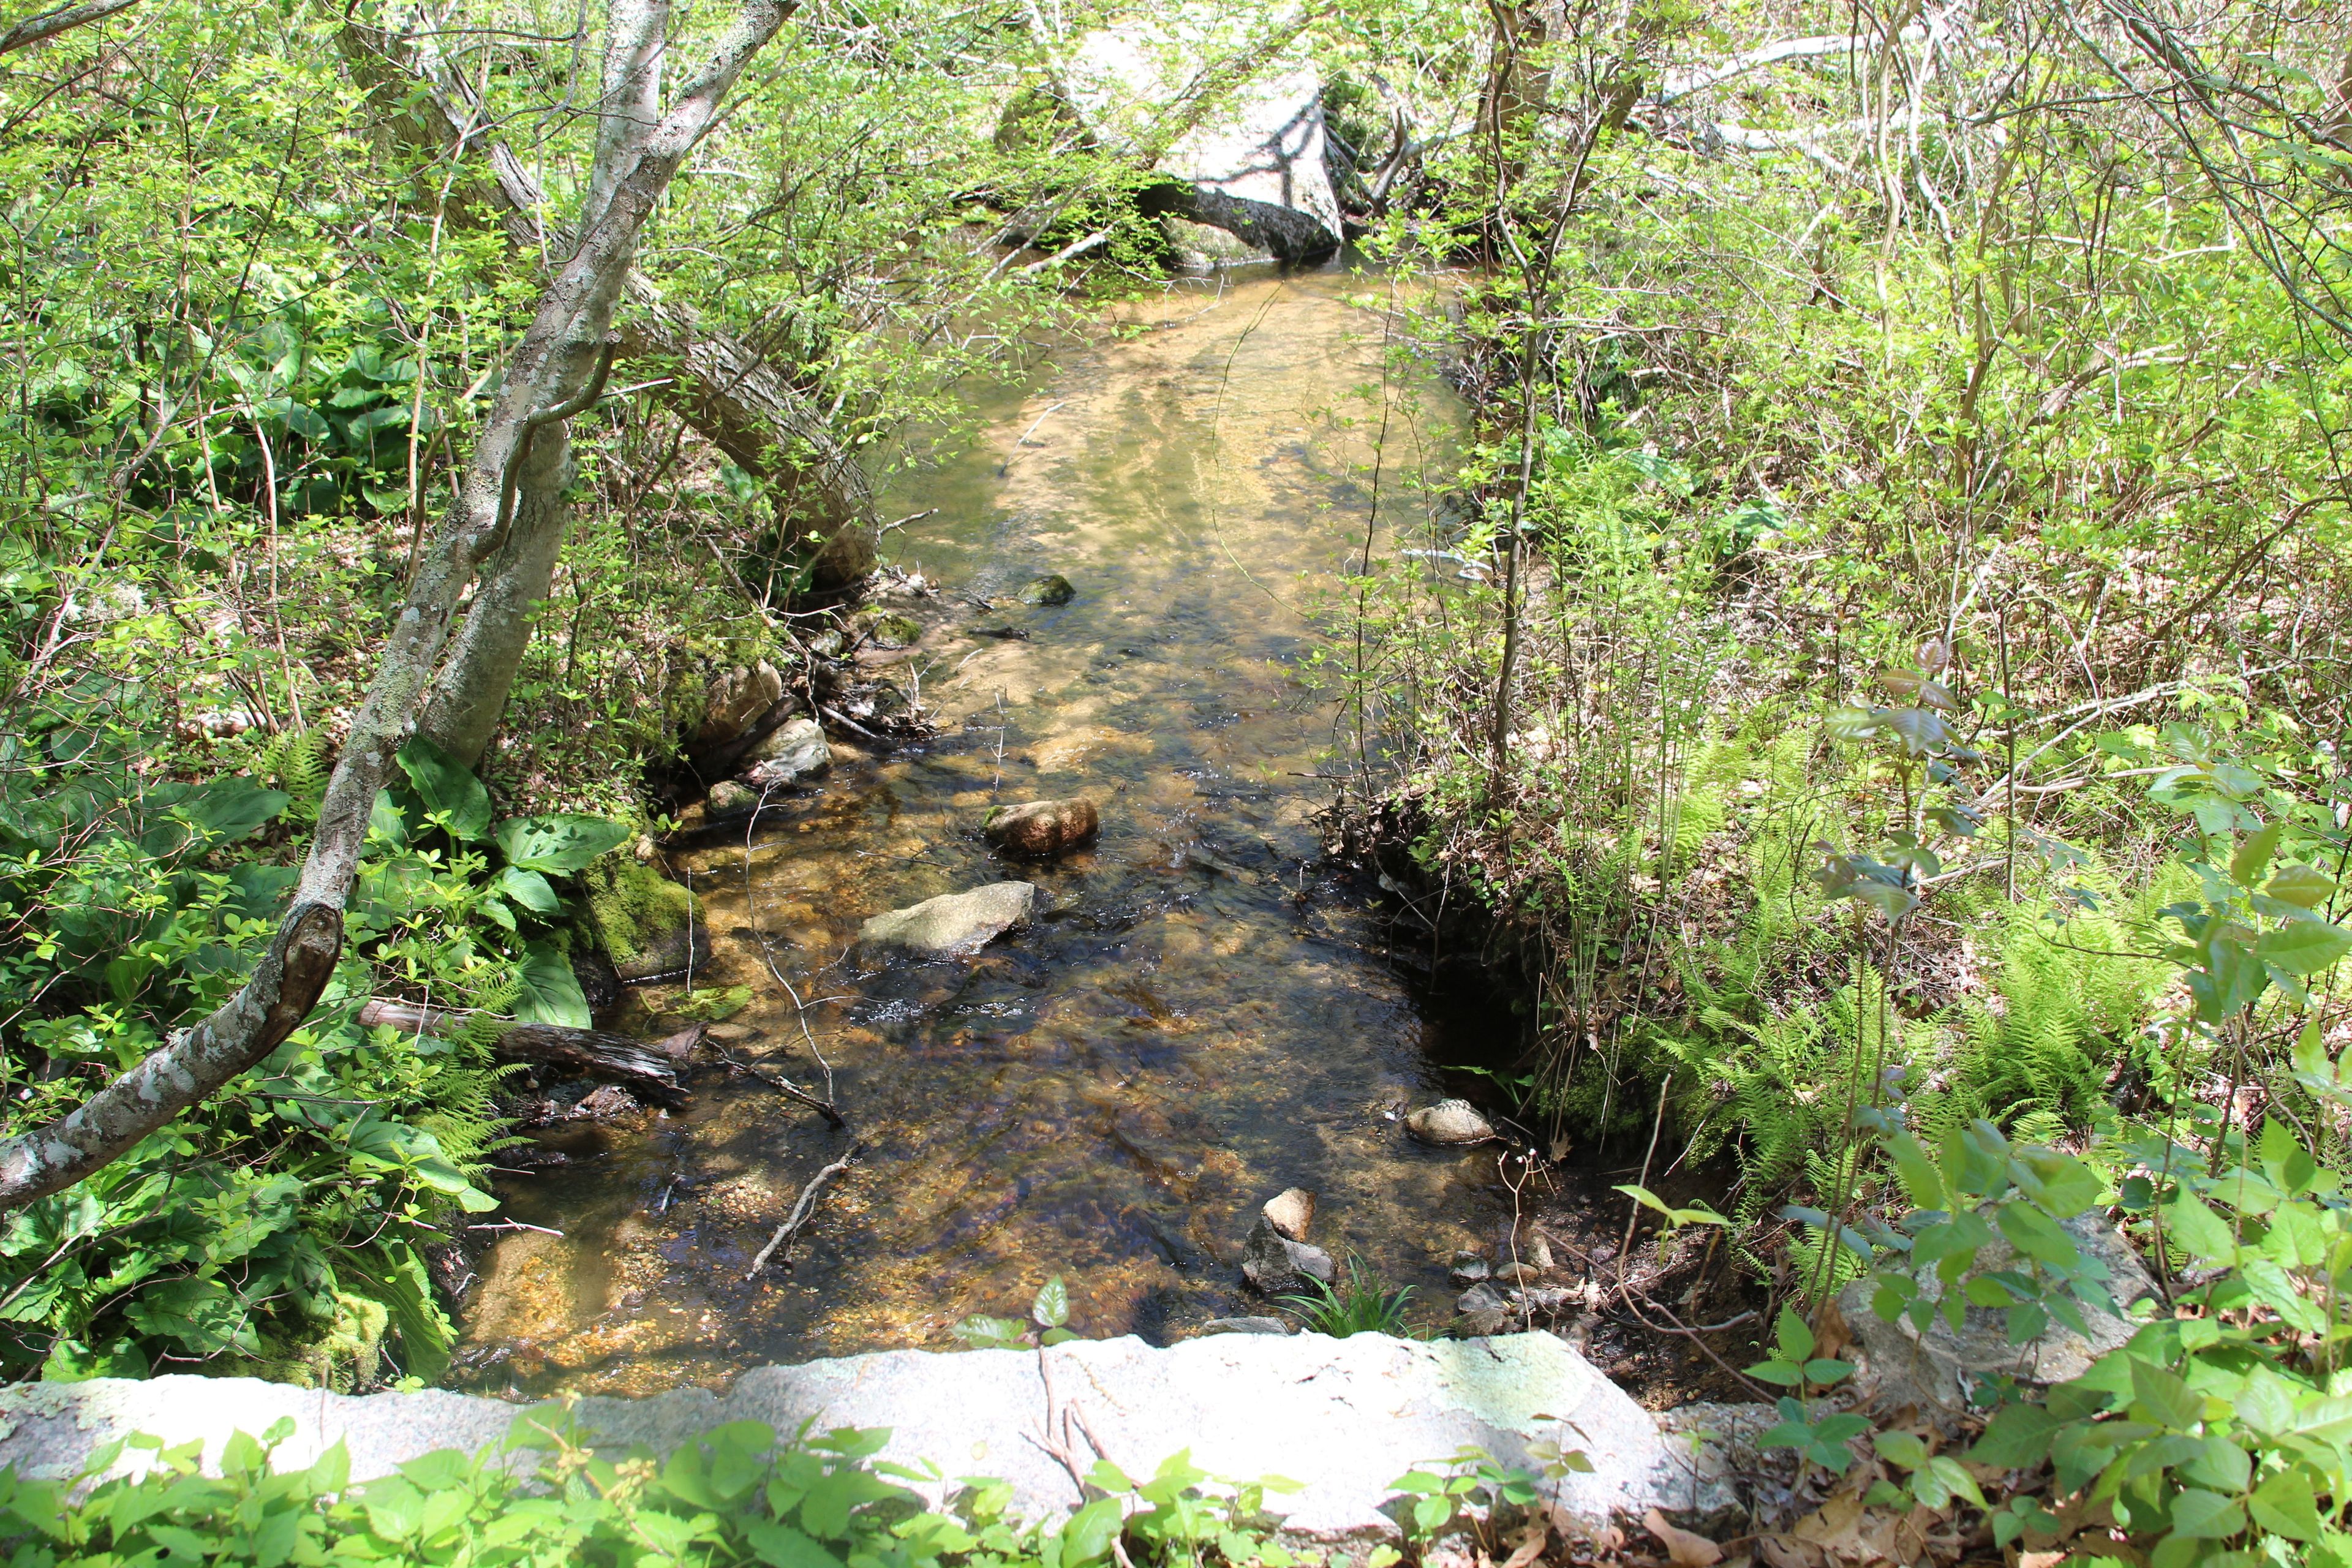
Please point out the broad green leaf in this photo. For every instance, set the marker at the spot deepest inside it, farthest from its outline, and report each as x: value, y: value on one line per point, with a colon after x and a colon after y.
x: 563, y: 842
x: 2302, y: 886
x: 551, y: 991
x: 2285, y: 1505
x: 385, y: 824
x: 1795, y: 1339
x: 2254, y: 856
x: 2190, y: 1223
x: 1052, y: 1308
x: 450, y: 793
x: 530, y: 890
x: 2038, y: 1236
x: 2201, y: 1515
x: 2064, y: 1185
x: 2304, y: 947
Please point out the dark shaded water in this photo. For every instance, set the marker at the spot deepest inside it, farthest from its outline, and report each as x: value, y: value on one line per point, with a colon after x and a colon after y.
x: 1210, y: 1013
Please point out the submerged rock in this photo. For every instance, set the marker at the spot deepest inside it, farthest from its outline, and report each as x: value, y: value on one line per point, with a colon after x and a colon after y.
x: 1449, y: 1121
x: 1051, y: 589
x: 951, y: 924
x: 791, y: 751
x: 1291, y: 1212
x: 728, y: 798
x: 1469, y: 1269
x: 1481, y: 1310
x: 1281, y: 1267
x: 1041, y: 827
x: 1246, y: 1326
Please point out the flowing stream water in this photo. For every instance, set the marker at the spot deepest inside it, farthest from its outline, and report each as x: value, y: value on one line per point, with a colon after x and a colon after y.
x: 1209, y: 1013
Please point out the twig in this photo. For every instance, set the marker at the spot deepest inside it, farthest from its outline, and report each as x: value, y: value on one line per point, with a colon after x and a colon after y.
x: 802, y: 1210
x: 515, y: 1225
x: 786, y: 1087
x: 848, y: 724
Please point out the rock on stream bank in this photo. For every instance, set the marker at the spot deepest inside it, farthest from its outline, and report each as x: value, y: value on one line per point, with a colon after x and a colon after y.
x: 1344, y: 1417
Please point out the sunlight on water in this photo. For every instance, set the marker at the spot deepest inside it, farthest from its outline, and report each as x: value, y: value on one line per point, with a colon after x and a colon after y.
x: 1206, y: 1017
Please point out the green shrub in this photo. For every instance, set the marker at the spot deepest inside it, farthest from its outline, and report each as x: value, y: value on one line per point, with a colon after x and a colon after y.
x: 736, y: 1495
x: 279, y: 1226
x: 1358, y: 1304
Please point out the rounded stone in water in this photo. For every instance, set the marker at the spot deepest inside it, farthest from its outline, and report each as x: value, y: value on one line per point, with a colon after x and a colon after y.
x: 1051, y: 589
x: 1449, y: 1122
x: 1041, y: 826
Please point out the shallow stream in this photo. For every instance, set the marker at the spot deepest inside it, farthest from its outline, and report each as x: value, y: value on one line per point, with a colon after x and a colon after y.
x: 1210, y: 1013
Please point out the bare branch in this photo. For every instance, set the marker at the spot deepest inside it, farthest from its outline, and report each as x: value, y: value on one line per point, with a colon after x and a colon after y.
x: 49, y: 23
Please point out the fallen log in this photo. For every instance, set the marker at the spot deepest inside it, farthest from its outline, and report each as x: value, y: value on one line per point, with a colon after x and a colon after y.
x: 649, y: 1067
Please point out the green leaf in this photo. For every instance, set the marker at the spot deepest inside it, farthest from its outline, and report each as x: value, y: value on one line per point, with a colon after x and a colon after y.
x: 564, y: 842
x: 1920, y: 1177
x: 1088, y: 1536
x: 1900, y: 1448
x: 1645, y: 1197
x: 2065, y: 1185
x: 2201, y: 1515
x: 985, y: 1333
x: 2254, y: 856
x: 530, y: 890
x: 551, y: 991
x: 2303, y: 886
x: 2016, y: 1438
x: 2285, y: 1505
x: 385, y: 824
x: 2303, y: 946
x: 1052, y: 1307
x: 2191, y: 1224
x: 2163, y: 1397
x: 1795, y: 1339
x: 2038, y: 1236
x: 452, y: 795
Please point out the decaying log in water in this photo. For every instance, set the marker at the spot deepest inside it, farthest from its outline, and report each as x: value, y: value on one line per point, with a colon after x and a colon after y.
x: 649, y: 1067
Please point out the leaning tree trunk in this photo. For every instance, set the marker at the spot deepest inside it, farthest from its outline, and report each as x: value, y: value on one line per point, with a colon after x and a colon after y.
x: 554, y: 363
x: 462, y: 710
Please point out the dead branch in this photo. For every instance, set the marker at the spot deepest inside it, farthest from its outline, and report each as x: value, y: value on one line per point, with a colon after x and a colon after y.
x: 802, y: 1209
x: 648, y: 1066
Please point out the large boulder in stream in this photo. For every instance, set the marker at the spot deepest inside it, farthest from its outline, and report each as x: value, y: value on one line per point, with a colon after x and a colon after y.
x: 1249, y: 161
x: 794, y: 750
x: 950, y: 925
x: 735, y: 698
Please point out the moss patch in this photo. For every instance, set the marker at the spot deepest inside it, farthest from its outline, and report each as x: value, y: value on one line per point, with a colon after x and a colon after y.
x: 639, y: 917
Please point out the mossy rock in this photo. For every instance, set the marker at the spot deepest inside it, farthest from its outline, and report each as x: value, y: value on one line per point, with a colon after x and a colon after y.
x: 1051, y: 589
x: 646, y: 923
x: 890, y: 629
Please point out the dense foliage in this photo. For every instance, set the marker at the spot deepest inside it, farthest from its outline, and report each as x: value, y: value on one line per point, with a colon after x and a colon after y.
x: 736, y: 1495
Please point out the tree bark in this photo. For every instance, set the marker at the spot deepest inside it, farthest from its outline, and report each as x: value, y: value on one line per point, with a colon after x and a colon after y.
x: 468, y: 696
x: 49, y: 23
x: 558, y: 352
x: 723, y: 389
x: 648, y: 1068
